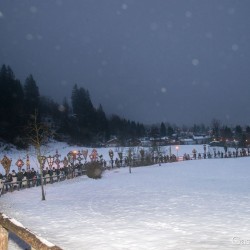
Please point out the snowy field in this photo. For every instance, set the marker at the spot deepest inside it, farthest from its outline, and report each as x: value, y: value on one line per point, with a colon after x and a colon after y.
x: 197, y: 204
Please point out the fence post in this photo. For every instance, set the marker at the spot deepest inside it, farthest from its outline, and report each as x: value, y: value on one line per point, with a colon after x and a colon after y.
x: 4, y: 235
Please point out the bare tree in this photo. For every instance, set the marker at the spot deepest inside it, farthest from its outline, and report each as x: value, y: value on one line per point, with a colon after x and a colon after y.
x: 38, y: 136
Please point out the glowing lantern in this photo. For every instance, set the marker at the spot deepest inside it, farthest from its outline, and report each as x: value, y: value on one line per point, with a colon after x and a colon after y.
x: 6, y: 162
x: 19, y: 164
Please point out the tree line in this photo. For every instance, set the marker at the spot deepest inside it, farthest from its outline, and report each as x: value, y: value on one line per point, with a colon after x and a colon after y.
x: 78, y: 122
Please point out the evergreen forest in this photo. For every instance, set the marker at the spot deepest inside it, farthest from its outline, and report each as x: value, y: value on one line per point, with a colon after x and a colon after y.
x: 77, y: 122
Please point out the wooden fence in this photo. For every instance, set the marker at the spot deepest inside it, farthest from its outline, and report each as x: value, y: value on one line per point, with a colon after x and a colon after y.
x: 11, y: 225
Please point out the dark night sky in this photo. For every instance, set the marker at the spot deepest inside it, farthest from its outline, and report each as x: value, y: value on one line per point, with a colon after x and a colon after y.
x: 177, y: 61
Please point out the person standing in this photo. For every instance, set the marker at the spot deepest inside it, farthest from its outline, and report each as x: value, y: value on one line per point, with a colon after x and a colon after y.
x: 20, y: 178
x: 9, y: 179
x: 33, y: 176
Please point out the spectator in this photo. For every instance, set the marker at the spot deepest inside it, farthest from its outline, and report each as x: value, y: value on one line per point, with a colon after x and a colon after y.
x: 194, y: 153
x: 38, y: 178
x: 8, y: 181
x: 13, y: 173
x: 24, y: 173
x: 33, y: 176
x: 28, y: 174
x: 20, y: 177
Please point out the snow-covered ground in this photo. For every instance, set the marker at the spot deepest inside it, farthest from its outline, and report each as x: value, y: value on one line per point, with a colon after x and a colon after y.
x: 197, y: 204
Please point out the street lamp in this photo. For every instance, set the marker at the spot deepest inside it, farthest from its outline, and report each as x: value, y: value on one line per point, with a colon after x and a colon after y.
x: 74, y: 156
x: 177, y: 149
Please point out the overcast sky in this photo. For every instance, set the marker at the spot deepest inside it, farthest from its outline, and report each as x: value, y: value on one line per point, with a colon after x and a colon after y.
x: 177, y: 61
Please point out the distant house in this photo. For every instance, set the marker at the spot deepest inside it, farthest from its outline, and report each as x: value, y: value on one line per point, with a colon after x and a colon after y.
x: 160, y: 141
x: 145, y: 142
x: 187, y: 141
x: 133, y: 142
x: 215, y: 144
x: 113, y: 143
x: 201, y: 139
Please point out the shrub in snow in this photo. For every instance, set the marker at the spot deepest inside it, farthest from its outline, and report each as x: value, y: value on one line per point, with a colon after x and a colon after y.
x: 94, y: 170
x: 148, y: 159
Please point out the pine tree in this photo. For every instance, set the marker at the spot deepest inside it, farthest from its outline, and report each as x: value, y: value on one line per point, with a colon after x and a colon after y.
x: 101, y: 122
x: 11, y: 104
x: 65, y: 110
x: 163, y: 130
x: 31, y: 96
x: 82, y: 106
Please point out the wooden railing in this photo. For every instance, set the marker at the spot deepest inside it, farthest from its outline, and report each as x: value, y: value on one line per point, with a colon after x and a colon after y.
x: 11, y: 225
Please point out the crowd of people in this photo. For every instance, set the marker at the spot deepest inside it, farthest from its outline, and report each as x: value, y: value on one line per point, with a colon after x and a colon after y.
x: 217, y: 154
x: 30, y: 177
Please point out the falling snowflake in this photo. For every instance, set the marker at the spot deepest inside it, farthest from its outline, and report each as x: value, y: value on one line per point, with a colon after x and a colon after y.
x: 57, y: 47
x: 63, y: 82
x: 188, y: 14
x: 169, y: 25
x: 209, y: 35
x: 163, y: 90
x: 195, y: 62
x: 29, y: 37
x: 33, y: 9
x: 235, y: 47
x: 104, y: 63
x: 59, y: 2
x: 154, y: 26
x: 39, y: 37
x: 61, y: 108
x: 124, y: 6
x: 231, y: 11
x: 1, y: 14
x: 157, y: 104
